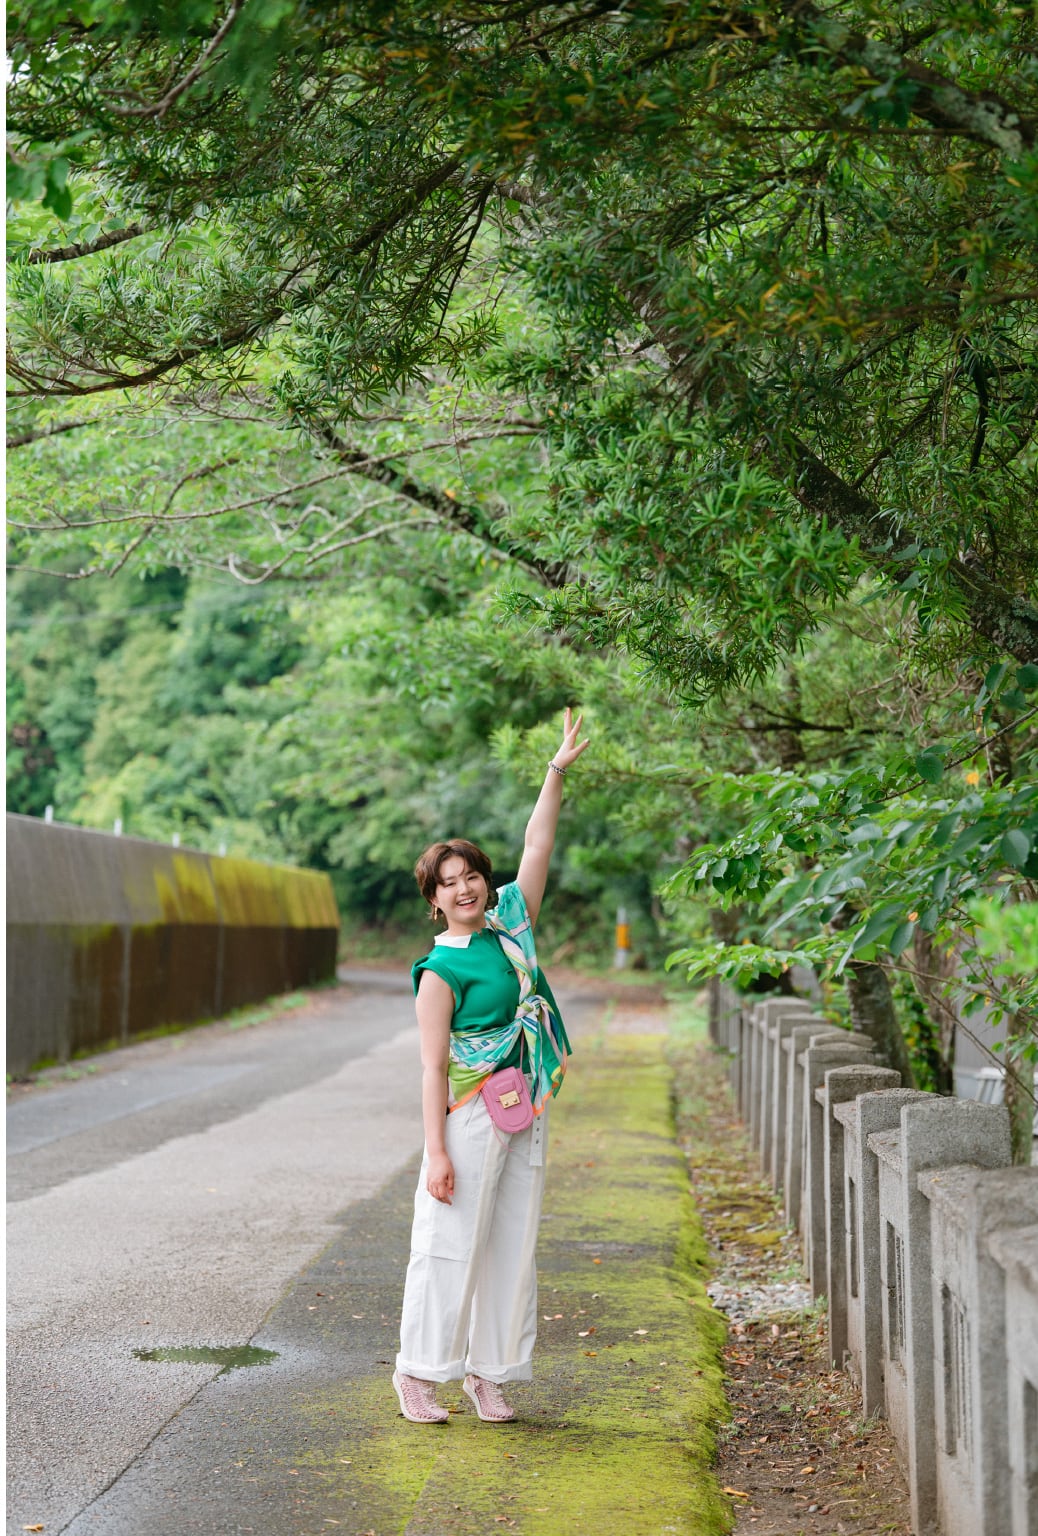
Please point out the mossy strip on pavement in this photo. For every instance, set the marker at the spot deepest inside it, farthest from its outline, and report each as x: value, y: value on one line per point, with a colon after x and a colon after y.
x: 616, y: 1433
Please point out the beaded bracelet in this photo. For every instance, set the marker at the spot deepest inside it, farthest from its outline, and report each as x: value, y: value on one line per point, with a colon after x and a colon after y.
x: 560, y: 771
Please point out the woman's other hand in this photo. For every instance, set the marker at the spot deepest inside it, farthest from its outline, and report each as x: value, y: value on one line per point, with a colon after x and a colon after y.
x: 571, y: 747
x: 439, y: 1180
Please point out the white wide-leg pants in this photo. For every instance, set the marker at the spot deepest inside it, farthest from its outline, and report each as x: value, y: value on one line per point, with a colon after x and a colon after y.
x: 470, y: 1298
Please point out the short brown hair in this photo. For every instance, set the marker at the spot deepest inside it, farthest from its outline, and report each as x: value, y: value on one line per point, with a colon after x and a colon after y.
x: 427, y: 869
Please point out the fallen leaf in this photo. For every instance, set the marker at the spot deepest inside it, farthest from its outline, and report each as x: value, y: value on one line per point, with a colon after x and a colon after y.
x: 596, y: 1261
x: 805, y: 1470
x: 737, y: 1493
x: 32, y: 1527
x: 592, y: 1354
x: 641, y: 1331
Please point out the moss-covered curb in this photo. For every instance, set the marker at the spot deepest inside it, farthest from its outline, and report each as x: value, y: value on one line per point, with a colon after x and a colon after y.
x: 616, y: 1433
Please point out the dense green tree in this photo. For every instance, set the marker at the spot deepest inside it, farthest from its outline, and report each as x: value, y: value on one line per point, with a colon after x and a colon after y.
x: 715, y: 329
x: 786, y: 267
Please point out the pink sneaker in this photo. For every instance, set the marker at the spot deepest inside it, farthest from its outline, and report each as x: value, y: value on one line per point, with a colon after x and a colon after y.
x: 487, y: 1399
x: 417, y: 1400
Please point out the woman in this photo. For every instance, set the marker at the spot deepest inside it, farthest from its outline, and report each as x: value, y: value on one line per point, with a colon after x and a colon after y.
x: 470, y: 1299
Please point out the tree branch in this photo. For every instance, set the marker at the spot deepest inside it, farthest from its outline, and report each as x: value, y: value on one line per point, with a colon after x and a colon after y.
x: 38, y: 434
x: 446, y: 509
x: 74, y: 252
x: 160, y: 108
x: 39, y: 384
x: 984, y: 118
x: 1008, y: 621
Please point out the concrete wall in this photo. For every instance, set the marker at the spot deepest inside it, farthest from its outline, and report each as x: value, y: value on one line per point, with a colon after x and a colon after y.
x: 925, y: 1242
x: 110, y: 936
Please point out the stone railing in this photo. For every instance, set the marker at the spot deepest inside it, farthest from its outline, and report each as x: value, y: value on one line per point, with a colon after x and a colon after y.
x: 108, y: 937
x: 923, y: 1239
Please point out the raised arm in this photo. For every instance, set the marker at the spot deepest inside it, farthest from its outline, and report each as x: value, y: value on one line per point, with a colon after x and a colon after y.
x: 540, y: 829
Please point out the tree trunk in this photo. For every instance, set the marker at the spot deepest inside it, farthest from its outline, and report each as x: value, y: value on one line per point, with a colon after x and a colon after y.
x: 1019, y: 1098
x: 934, y: 969
x: 872, y: 1011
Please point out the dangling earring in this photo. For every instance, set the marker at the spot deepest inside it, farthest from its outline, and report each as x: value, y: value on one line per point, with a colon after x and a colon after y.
x: 434, y: 912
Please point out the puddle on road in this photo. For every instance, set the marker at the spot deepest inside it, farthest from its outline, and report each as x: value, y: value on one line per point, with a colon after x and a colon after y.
x: 231, y: 1357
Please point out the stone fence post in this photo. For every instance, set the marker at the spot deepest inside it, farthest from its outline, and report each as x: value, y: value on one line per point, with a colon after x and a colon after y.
x: 773, y: 1123
x: 969, y: 1319
x: 860, y: 1118
x: 764, y: 1015
x: 1016, y: 1253
x: 816, y: 1062
x: 792, y: 1153
x: 842, y: 1086
x: 934, y: 1133
x: 729, y: 1005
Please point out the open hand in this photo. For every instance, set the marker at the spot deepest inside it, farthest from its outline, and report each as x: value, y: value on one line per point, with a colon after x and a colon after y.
x: 571, y: 748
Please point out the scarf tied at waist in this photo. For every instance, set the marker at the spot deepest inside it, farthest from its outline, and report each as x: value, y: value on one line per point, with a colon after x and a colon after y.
x: 476, y: 1055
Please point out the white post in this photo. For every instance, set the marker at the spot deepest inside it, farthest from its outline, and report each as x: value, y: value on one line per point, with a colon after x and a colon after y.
x: 118, y: 827
x: 622, y: 952
x: 48, y: 813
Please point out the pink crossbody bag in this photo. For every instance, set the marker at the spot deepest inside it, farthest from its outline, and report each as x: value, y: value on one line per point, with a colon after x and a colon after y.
x: 507, y: 1097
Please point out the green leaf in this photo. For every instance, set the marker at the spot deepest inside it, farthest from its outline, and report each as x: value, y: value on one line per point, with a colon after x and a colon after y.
x: 969, y: 837
x: 1015, y: 848
x: 865, y: 832
x: 1027, y: 676
x: 944, y: 829
x: 994, y: 676
x: 877, y: 924
x: 929, y: 766
x: 901, y: 938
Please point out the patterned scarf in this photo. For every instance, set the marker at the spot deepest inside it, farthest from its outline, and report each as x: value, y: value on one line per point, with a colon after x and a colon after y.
x: 474, y: 1057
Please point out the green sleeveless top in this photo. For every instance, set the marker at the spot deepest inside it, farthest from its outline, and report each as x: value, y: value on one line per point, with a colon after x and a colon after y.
x: 499, y: 1021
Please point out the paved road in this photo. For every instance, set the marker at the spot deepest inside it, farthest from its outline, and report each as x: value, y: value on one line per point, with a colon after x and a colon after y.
x: 167, y: 1198
x: 255, y: 1188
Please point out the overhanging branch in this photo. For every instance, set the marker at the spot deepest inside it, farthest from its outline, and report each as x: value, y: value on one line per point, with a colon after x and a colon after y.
x: 1010, y: 622
x: 74, y: 252
x: 466, y: 518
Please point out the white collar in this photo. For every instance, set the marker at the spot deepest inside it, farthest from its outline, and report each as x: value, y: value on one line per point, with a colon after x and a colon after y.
x: 456, y: 940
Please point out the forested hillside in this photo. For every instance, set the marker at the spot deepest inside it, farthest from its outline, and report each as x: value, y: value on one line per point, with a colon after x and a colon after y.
x: 381, y: 380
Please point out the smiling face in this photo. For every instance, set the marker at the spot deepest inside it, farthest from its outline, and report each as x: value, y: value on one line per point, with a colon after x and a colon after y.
x: 461, y: 895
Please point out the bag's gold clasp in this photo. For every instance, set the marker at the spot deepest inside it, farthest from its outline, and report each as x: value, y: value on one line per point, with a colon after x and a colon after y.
x: 509, y: 1100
